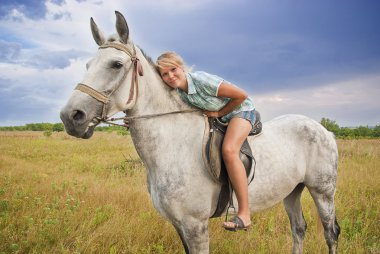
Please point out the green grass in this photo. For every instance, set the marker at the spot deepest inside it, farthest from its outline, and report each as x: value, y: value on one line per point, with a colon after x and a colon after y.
x: 64, y: 195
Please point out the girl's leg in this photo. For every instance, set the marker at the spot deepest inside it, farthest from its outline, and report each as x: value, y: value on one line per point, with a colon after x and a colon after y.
x: 237, y: 131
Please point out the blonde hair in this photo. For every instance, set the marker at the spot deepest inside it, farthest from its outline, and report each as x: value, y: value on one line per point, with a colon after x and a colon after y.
x: 170, y: 59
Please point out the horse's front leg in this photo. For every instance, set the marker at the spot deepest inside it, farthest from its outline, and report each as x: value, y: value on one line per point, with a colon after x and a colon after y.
x: 194, y: 235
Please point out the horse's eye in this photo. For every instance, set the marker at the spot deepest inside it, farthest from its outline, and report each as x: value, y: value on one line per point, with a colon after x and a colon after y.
x: 117, y: 65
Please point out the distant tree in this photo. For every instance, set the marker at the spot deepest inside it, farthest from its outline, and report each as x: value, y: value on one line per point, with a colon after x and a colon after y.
x: 363, y: 131
x: 376, y: 131
x: 330, y: 125
x: 110, y: 128
x: 58, y: 127
x: 19, y: 128
x: 346, y: 132
x: 31, y: 127
x: 39, y: 126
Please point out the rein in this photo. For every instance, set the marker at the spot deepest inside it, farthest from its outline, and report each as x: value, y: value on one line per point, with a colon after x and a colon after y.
x: 133, y: 92
x: 127, y: 118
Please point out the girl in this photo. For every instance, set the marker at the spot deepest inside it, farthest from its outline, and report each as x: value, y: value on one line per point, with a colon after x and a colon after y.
x: 217, y: 98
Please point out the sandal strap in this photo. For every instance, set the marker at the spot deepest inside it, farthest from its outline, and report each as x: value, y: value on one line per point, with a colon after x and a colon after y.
x: 238, y: 222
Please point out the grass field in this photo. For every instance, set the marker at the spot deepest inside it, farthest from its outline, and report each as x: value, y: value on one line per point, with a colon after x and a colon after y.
x: 59, y: 194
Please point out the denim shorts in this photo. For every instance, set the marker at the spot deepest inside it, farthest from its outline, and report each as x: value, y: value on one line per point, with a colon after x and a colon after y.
x: 248, y: 115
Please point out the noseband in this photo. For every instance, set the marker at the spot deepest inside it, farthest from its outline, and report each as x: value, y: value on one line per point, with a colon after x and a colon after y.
x: 133, y: 92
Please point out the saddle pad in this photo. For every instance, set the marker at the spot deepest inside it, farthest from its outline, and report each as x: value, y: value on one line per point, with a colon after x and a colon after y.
x: 213, y: 151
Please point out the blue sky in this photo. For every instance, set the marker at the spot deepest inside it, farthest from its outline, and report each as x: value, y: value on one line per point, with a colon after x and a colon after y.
x: 318, y: 58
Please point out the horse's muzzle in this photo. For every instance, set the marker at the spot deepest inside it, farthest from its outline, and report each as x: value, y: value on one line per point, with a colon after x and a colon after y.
x: 77, y: 123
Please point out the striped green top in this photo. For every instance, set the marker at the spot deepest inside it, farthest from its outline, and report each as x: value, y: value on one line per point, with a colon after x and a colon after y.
x: 202, y: 93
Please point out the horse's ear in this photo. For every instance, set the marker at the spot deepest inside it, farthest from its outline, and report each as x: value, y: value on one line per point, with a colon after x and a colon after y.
x: 122, y: 27
x: 97, y: 34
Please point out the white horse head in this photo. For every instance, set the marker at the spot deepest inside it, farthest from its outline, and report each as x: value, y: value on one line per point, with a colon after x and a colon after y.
x: 111, y: 82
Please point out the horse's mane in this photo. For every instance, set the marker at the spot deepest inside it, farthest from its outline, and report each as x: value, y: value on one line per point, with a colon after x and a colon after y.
x: 148, y: 58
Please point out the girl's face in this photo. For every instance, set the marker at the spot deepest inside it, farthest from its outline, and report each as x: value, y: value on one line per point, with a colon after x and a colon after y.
x: 174, y: 77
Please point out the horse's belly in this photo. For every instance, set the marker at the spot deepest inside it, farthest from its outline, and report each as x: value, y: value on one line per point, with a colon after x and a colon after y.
x: 272, y: 184
x: 280, y: 167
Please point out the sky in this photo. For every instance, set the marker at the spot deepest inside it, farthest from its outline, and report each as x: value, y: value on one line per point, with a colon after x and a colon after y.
x: 319, y: 58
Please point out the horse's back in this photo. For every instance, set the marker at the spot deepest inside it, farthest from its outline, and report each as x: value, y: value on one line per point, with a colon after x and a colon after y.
x: 300, y: 136
x: 298, y: 128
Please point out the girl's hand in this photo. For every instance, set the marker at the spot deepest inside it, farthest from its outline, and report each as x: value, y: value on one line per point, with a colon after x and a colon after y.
x: 211, y: 113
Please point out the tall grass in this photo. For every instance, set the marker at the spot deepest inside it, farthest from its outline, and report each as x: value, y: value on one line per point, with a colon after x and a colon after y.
x: 64, y: 195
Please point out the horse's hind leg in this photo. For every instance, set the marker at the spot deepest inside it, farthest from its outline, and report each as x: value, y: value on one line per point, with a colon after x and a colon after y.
x: 326, y: 210
x: 297, y: 222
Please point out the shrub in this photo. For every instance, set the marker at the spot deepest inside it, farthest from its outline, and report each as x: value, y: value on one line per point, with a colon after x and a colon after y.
x: 48, y: 133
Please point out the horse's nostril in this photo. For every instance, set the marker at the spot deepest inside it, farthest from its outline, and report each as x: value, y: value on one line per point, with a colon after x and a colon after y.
x: 78, y: 115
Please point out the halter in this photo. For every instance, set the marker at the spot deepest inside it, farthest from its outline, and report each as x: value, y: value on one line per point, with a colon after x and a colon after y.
x: 104, y: 98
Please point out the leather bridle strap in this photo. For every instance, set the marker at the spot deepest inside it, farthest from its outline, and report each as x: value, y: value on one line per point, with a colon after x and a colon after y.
x: 92, y: 92
x: 120, y: 47
x: 134, y: 81
x: 133, y: 93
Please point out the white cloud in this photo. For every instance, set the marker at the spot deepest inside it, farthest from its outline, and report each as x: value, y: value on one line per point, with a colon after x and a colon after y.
x: 70, y: 30
x: 44, y: 80
x: 345, y: 102
x: 67, y: 25
x: 37, y: 92
x: 10, y: 50
x: 43, y: 59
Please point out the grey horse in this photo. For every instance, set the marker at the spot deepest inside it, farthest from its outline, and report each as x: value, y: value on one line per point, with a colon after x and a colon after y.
x: 292, y: 152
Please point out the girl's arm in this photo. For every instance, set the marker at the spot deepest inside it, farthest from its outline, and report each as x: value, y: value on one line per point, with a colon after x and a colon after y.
x: 236, y: 95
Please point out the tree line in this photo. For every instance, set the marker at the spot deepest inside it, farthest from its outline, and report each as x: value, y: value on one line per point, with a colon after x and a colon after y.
x: 331, y: 125
x: 57, y: 127
x: 348, y: 132
x: 35, y: 127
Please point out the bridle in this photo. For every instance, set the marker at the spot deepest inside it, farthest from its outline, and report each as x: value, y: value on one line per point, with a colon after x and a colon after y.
x: 104, y: 98
x: 133, y: 92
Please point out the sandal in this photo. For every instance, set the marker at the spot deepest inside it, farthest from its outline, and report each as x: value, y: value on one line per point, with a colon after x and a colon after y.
x: 238, y: 224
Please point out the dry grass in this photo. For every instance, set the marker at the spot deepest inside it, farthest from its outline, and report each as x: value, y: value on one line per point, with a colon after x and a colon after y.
x: 64, y: 195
